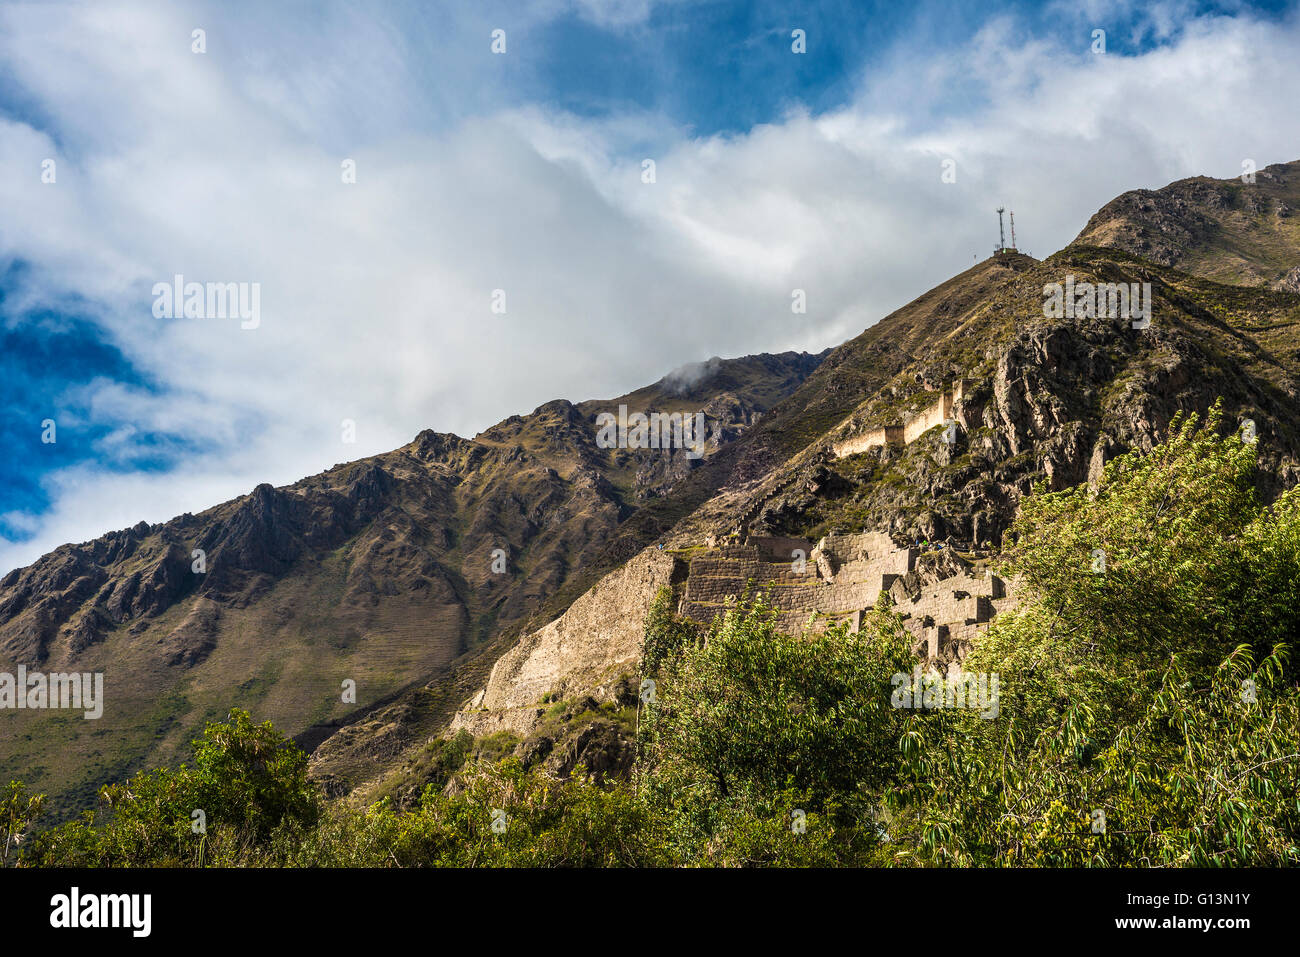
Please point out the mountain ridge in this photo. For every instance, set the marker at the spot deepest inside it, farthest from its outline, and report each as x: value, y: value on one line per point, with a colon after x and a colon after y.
x: 378, y: 571
x: 335, y: 569
x: 1050, y: 401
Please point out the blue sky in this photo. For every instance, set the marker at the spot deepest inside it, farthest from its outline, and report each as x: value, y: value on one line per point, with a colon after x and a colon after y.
x: 522, y: 172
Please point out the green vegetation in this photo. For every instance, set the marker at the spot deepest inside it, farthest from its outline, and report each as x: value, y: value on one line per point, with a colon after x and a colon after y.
x: 18, y: 812
x: 247, y: 784
x: 1157, y: 693
x: 1148, y: 715
x: 665, y: 634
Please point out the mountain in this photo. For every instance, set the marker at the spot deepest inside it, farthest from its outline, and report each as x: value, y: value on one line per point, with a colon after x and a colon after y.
x: 380, y: 572
x: 1049, y: 399
x: 1045, y: 400
x: 1244, y: 233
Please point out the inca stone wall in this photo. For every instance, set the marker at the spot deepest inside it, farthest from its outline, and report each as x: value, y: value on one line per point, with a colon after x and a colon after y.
x: 594, y: 642
x: 938, y: 412
x: 598, y: 640
x: 884, y: 435
x: 841, y: 577
x: 928, y: 418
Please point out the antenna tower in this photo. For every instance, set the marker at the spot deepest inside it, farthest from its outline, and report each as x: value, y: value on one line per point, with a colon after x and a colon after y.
x: 1013, y: 229
x: 1002, y: 232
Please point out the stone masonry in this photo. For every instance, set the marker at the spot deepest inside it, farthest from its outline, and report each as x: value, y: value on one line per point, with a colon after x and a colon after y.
x: 938, y: 412
x: 597, y: 643
x: 583, y: 651
x: 840, y: 578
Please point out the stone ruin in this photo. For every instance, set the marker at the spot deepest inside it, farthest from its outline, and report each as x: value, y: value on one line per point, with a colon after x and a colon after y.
x: 944, y: 600
x: 937, y: 413
x: 595, y: 646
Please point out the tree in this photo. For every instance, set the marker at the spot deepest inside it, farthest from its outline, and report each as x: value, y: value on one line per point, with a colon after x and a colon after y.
x: 18, y: 812
x: 1149, y: 711
x: 246, y: 782
x: 751, y: 725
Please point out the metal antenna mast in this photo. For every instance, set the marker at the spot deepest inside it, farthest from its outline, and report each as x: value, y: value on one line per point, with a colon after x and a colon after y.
x: 1013, y: 229
x: 1002, y: 233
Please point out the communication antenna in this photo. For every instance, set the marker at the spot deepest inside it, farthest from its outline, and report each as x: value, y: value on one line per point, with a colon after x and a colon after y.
x: 1013, y: 229
x: 1002, y: 233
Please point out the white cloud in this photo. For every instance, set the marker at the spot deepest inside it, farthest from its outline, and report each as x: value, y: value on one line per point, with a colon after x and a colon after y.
x: 375, y: 296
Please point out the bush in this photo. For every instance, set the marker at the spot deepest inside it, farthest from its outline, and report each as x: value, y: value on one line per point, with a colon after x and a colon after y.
x: 1150, y: 708
x: 749, y: 719
x: 247, y: 781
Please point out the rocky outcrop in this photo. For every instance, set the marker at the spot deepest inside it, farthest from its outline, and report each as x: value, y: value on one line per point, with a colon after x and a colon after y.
x: 195, y: 637
x: 602, y: 749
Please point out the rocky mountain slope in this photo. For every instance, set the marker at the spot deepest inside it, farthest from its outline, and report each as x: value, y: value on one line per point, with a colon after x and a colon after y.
x: 379, y: 572
x: 1048, y: 400
x: 1236, y: 232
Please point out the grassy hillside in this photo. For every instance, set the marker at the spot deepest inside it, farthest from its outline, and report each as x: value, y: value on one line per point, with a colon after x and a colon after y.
x: 1234, y: 232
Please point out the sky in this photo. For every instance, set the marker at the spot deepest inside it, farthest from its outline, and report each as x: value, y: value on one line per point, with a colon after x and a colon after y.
x: 503, y: 243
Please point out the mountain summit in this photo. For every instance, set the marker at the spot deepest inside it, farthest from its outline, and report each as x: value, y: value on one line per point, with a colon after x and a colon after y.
x: 1243, y: 233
